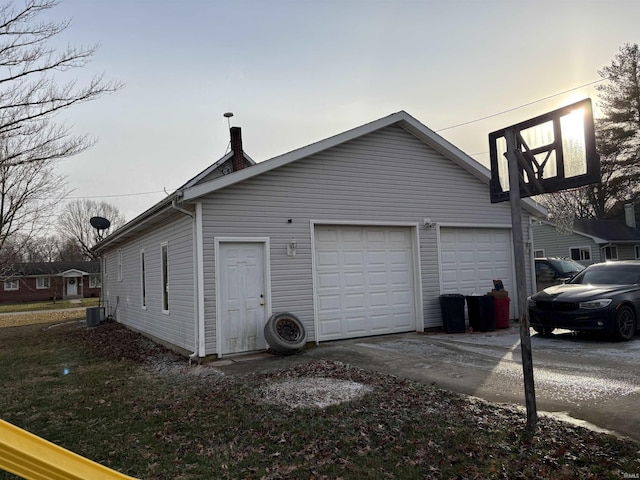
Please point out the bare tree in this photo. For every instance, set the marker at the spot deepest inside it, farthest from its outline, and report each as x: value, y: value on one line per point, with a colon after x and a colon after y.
x: 74, y: 222
x: 70, y: 251
x: 34, y: 89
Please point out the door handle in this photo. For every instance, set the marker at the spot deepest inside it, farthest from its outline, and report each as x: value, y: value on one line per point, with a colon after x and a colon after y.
x: 262, y: 299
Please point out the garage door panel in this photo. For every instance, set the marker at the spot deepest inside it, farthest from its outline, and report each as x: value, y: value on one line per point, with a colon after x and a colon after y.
x: 399, y: 257
x: 467, y: 274
x: 401, y: 297
x: 448, y: 257
x: 352, y: 279
x: 466, y: 256
x: 404, y: 320
x: 327, y: 258
x: 352, y: 258
x: 400, y: 278
x: 355, y: 301
x: 331, y: 328
x: 377, y: 279
x: 354, y: 325
x: 328, y: 280
x: 471, y: 258
x: 373, y: 268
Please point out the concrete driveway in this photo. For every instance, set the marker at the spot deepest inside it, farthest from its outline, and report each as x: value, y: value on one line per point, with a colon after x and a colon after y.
x: 585, y: 379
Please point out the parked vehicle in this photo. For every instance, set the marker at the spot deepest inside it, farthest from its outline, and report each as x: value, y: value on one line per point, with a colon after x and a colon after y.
x: 554, y: 271
x: 604, y: 297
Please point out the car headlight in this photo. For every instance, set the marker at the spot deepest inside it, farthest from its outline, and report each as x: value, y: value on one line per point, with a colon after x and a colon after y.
x: 531, y: 302
x: 593, y: 304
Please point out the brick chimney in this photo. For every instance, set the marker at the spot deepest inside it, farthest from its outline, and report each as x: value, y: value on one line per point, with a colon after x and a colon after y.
x: 237, y: 161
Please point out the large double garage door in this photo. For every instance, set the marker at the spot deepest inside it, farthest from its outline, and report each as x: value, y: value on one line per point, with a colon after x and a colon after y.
x: 364, y: 281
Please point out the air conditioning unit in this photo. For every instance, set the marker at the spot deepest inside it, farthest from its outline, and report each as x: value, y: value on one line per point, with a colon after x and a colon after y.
x: 95, y: 315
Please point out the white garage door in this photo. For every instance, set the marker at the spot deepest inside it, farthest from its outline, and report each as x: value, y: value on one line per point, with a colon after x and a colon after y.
x: 364, y: 281
x: 471, y: 258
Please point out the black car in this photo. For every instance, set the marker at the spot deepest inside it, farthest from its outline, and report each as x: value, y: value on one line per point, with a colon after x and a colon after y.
x: 553, y: 271
x: 604, y: 297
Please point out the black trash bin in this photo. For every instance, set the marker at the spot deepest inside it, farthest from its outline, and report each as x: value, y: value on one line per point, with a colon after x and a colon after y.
x: 481, y: 310
x: 452, y: 307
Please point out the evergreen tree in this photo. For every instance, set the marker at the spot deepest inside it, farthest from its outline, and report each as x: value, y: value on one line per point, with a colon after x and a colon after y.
x: 618, y: 141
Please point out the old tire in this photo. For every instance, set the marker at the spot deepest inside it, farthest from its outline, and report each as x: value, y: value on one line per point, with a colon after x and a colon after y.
x: 285, y: 333
x: 624, y: 325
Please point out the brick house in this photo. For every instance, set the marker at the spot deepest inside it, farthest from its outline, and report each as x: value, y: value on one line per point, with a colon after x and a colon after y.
x: 40, y: 281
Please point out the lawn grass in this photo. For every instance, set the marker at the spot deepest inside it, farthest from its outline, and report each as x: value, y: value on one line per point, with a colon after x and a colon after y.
x: 49, y: 305
x: 119, y: 399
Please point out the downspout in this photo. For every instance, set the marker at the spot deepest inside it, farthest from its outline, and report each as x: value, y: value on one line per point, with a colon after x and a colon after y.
x: 196, y: 350
x: 532, y: 259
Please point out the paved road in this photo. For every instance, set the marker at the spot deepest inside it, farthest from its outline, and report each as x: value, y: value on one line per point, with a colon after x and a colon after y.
x: 591, y: 380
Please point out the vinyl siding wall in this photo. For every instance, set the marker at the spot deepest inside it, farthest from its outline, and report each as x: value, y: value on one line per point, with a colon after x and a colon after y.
x: 123, y: 299
x: 546, y: 237
x: 554, y: 245
x: 386, y: 176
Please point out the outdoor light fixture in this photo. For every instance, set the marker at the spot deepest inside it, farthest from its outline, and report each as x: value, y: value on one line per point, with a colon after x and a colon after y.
x: 428, y: 223
x: 292, y: 246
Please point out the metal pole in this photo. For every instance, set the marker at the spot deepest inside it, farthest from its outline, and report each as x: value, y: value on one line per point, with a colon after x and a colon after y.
x: 521, y: 283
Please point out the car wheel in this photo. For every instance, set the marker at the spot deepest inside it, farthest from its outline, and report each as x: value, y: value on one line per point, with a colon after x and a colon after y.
x: 285, y: 333
x: 624, y: 326
x: 544, y: 331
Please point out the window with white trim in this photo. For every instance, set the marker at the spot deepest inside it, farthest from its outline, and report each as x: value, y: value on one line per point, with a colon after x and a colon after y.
x: 610, y: 252
x: 164, y: 248
x: 43, y: 282
x: 143, y: 279
x: 581, y: 254
x: 95, y: 281
x: 11, y: 285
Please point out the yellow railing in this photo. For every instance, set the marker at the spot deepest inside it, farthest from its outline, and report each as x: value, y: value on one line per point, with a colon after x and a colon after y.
x: 34, y: 458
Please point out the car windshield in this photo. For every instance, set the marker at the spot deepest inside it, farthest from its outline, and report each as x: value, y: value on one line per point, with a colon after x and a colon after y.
x: 567, y: 266
x: 609, y: 274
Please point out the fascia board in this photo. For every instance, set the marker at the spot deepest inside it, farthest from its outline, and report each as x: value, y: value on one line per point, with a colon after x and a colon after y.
x: 576, y: 232
x: 137, y: 223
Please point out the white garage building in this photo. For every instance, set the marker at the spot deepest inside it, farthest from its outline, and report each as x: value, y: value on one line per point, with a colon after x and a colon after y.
x: 358, y: 235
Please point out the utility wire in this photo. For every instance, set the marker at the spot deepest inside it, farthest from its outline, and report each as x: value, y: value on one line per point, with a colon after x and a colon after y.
x: 119, y: 195
x: 520, y: 106
x: 439, y: 130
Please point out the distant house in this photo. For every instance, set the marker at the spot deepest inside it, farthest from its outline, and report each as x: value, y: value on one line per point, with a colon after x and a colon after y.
x: 591, y: 241
x: 357, y: 235
x: 29, y: 282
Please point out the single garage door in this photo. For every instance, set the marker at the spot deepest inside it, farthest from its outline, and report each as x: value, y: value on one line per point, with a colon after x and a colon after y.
x: 364, y: 281
x: 471, y: 258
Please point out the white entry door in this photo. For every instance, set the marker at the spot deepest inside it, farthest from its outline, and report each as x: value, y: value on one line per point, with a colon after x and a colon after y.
x: 242, y: 292
x: 72, y: 287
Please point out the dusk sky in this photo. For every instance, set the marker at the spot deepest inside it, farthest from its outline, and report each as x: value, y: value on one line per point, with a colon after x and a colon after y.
x: 295, y: 72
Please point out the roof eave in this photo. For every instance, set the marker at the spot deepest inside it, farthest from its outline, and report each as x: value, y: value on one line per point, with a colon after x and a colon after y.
x: 138, y: 223
x: 402, y: 118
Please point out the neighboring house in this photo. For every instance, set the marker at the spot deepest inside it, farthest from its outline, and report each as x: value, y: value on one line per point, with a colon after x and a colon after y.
x: 592, y: 241
x: 357, y: 235
x: 29, y: 282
